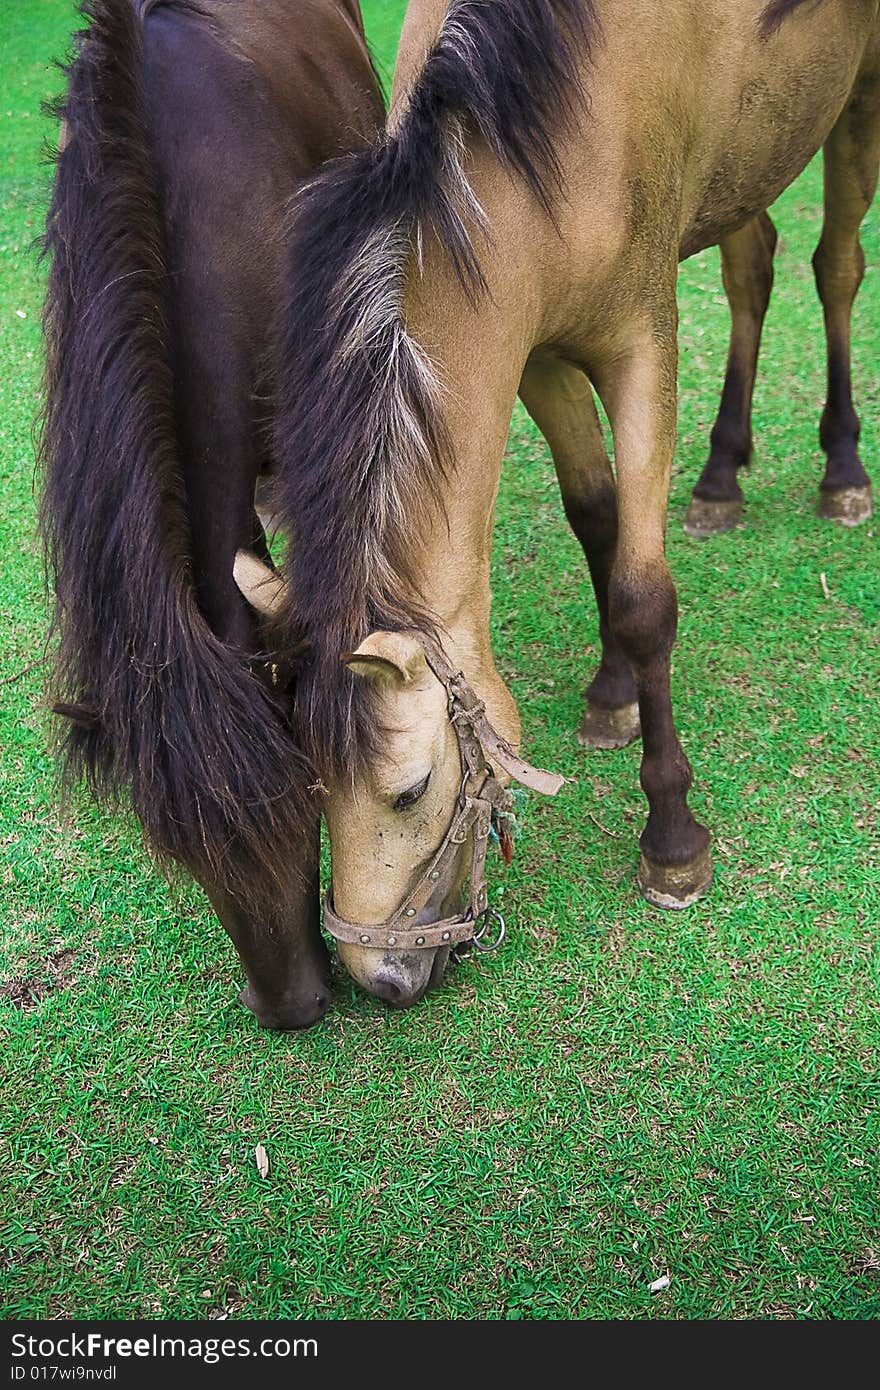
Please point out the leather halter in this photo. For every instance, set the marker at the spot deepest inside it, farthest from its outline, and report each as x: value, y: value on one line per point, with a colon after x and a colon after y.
x: 481, y: 798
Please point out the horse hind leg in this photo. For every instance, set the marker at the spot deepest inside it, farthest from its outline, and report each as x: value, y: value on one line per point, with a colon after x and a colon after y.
x: 747, y: 272
x: 559, y: 398
x: 851, y: 157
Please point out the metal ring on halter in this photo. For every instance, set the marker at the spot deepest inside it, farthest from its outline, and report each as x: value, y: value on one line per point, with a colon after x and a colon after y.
x: 489, y: 913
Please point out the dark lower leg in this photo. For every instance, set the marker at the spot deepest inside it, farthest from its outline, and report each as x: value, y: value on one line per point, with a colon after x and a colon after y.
x: 851, y: 158
x: 839, y: 428
x: 845, y: 490
x: 747, y: 269
x: 593, y: 519
x: 676, y: 865
x: 282, y: 950
x: 560, y: 400
x: 644, y: 615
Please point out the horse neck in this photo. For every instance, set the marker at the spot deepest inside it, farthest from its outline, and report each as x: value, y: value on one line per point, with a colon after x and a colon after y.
x: 479, y: 352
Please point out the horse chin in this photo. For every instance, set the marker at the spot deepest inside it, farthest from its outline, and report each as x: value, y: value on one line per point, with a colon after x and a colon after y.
x: 398, y: 978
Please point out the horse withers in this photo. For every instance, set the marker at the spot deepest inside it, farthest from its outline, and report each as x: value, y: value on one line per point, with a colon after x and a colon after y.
x: 186, y: 128
x: 518, y: 228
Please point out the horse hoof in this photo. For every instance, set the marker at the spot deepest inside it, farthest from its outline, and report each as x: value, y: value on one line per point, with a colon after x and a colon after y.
x: 676, y: 886
x: 609, y: 728
x: 707, y: 516
x: 849, y: 506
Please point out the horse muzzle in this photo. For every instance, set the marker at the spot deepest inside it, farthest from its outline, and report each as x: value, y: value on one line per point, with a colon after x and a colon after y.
x: 399, y: 978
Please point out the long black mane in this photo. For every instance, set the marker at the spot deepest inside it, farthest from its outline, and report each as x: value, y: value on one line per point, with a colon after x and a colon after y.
x: 360, y: 432
x: 159, y: 709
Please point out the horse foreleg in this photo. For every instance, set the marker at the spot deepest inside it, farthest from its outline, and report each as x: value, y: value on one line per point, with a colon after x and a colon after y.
x: 559, y: 399
x: 747, y: 272
x: 640, y: 392
x: 852, y: 154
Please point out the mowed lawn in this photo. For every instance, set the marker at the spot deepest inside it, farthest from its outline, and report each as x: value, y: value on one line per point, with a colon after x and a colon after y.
x: 619, y: 1094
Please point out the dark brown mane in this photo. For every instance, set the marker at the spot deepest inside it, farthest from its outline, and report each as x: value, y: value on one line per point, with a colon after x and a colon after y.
x: 360, y: 428
x: 159, y: 709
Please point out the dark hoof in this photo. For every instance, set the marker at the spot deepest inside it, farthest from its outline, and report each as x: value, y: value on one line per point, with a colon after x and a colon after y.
x: 288, y: 1016
x: 609, y: 728
x: 708, y: 516
x: 676, y: 886
x: 849, y: 506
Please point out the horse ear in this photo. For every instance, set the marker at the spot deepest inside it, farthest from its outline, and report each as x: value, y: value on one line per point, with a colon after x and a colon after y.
x: 263, y: 587
x: 389, y: 658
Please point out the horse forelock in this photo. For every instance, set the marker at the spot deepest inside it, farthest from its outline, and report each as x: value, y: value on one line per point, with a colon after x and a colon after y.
x: 360, y: 434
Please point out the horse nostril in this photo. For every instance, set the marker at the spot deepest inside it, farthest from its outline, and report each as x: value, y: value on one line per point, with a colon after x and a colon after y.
x: 395, y: 990
x: 389, y: 989
x: 397, y: 978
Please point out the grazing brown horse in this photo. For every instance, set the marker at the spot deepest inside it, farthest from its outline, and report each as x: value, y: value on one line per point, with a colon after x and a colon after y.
x: 546, y: 165
x: 187, y: 126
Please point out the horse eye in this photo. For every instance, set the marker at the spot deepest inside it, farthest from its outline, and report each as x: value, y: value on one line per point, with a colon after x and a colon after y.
x: 408, y: 798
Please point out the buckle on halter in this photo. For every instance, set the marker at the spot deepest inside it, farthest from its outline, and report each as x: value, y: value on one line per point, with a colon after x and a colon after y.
x: 489, y: 914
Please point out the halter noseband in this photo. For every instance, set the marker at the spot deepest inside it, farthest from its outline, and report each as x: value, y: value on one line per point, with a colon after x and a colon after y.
x: 481, y: 799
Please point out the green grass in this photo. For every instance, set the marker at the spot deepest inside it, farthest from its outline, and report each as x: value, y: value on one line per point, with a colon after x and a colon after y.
x: 619, y: 1093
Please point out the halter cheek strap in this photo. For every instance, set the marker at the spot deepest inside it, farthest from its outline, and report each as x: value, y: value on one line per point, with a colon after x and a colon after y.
x: 481, y: 798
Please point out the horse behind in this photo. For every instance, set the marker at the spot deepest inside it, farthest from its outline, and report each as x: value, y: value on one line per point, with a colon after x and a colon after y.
x: 186, y: 129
